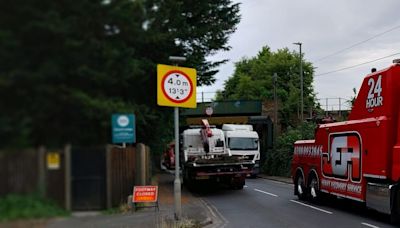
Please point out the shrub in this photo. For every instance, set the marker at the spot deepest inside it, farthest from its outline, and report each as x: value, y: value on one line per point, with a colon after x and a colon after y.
x: 278, y: 161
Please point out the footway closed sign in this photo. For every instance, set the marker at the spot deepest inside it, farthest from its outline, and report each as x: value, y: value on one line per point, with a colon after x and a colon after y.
x: 143, y: 194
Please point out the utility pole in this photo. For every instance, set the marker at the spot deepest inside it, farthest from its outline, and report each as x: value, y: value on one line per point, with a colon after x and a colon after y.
x: 276, y: 110
x: 327, y: 107
x: 301, y: 84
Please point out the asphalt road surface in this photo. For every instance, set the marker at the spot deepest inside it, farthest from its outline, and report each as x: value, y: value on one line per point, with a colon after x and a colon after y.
x: 268, y: 203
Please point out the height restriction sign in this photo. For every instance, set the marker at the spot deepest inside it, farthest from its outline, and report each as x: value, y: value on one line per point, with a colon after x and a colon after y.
x: 176, y: 86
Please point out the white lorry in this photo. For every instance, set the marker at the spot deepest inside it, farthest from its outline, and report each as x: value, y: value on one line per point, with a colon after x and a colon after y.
x: 206, y: 159
x: 243, y: 142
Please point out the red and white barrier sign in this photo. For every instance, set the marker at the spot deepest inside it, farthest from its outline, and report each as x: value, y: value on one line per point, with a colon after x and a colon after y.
x: 145, y: 194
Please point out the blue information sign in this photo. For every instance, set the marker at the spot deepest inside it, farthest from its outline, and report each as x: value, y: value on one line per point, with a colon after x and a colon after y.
x: 123, y: 128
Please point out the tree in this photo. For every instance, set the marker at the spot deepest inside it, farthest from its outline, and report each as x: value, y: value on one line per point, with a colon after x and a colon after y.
x: 279, y: 160
x: 66, y: 67
x: 253, y: 79
x: 194, y: 29
x: 353, y: 98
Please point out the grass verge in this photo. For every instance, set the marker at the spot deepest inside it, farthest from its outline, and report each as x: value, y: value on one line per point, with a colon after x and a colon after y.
x: 14, y: 206
x: 183, y: 223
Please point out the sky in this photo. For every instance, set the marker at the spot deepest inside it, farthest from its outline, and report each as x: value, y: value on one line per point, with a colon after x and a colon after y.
x: 324, y: 28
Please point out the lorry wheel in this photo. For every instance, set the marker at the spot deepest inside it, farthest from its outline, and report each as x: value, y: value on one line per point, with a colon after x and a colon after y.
x: 314, y: 189
x: 186, y: 180
x: 395, y: 212
x: 237, y: 183
x: 300, y: 188
x: 237, y: 186
x: 240, y: 185
x: 254, y: 176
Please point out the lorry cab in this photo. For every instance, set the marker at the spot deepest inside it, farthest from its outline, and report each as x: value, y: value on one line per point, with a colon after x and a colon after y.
x: 242, y: 141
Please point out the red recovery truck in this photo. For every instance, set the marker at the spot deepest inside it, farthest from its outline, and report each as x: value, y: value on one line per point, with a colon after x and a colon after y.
x: 358, y: 159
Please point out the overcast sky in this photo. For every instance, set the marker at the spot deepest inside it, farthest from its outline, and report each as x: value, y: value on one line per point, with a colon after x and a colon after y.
x: 324, y: 28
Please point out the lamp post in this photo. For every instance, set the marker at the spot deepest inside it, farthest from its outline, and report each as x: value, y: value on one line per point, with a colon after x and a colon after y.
x: 177, y: 181
x: 275, y: 77
x: 301, y: 83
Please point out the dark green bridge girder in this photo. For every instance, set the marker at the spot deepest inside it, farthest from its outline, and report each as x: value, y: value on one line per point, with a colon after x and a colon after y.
x: 224, y: 108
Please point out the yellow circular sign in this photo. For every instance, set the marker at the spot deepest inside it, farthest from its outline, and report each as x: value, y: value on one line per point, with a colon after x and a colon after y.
x: 176, y: 86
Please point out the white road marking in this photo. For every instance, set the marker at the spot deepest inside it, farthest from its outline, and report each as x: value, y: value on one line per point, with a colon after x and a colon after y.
x: 367, y: 224
x: 220, y: 221
x: 209, y: 207
x: 245, y: 186
x: 315, y: 208
x: 268, y: 193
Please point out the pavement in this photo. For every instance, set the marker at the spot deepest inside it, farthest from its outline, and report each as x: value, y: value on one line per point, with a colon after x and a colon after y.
x: 287, y: 180
x: 195, y: 212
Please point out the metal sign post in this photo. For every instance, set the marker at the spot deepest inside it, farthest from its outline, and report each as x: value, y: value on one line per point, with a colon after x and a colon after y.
x: 177, y: 181
x: 176, y: 87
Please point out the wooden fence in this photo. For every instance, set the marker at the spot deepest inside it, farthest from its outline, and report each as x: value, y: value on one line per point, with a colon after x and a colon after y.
x: 18, y: 171
x: 26, y: 171
x: 127, y: 167
x: 121, y: 174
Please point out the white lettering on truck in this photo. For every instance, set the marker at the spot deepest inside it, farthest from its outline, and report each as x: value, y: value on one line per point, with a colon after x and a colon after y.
x: 341, y: 186
x: 308, y: 151
x: 374, y: 98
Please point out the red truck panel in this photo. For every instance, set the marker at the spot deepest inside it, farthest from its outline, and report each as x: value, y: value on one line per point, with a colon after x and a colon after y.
x: 344, y: 154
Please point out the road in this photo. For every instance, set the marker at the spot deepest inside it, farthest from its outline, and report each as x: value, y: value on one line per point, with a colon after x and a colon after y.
x: 268, y: 203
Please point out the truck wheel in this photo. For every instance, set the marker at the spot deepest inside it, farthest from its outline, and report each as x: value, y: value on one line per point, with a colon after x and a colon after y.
x: 238, y: 186
x: 314, y: 189
x: 395, y: 212
x: 187, y: 182
x: 237, y: 183
x: 300, y: 187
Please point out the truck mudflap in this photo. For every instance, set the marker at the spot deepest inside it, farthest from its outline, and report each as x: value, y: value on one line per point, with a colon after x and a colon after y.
x: 395, y: 204
x: 383, y: 197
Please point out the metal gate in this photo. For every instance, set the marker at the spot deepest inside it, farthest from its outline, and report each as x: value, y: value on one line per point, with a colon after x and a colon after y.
x: 88, y: 170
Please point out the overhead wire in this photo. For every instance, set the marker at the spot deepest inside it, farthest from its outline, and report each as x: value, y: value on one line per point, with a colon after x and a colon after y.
x: 352, y: 46
x: 360, y: 64
x: 356, y: 44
